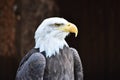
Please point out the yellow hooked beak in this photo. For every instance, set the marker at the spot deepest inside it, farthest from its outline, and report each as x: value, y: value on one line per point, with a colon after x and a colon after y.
x: 69, y: 27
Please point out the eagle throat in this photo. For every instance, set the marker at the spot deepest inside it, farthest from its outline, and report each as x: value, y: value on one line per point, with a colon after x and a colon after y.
x: 50, y: 46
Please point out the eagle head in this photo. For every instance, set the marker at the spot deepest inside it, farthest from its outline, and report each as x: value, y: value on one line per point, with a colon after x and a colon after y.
x: 50, y: 35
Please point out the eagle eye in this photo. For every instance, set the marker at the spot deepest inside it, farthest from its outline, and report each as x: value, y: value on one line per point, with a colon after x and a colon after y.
x: 57, y: 24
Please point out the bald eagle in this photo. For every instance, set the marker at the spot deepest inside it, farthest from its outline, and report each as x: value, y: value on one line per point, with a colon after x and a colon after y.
x: 51, y: 58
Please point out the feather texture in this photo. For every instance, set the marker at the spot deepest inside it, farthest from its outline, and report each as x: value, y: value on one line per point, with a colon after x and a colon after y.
x: 63, y: 66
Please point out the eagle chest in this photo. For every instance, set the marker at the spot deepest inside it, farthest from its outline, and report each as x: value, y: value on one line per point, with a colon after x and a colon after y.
x: 59, y: 65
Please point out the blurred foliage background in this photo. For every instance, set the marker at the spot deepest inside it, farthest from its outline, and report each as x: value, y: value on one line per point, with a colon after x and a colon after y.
x: 98, y: 42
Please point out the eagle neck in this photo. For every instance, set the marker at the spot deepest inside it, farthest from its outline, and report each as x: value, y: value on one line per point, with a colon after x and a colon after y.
x: 50, y: 46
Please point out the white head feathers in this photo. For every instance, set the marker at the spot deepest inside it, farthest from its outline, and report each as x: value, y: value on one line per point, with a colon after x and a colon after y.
x: 48, y: 36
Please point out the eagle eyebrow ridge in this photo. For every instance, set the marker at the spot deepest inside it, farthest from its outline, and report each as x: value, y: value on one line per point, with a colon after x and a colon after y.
x: 57, y: 24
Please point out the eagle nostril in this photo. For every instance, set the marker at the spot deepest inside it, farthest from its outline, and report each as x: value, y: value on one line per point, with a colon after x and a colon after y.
x: 68, y: 24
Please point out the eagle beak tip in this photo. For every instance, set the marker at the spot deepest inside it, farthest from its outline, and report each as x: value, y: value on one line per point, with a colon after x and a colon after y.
x: 75, y: 35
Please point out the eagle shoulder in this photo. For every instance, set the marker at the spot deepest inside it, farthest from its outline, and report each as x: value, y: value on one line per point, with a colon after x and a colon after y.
x: 78, y: 69
x: 32, y: 67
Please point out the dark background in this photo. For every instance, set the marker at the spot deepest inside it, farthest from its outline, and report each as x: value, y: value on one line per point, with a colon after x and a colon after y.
x: 98, y: 42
